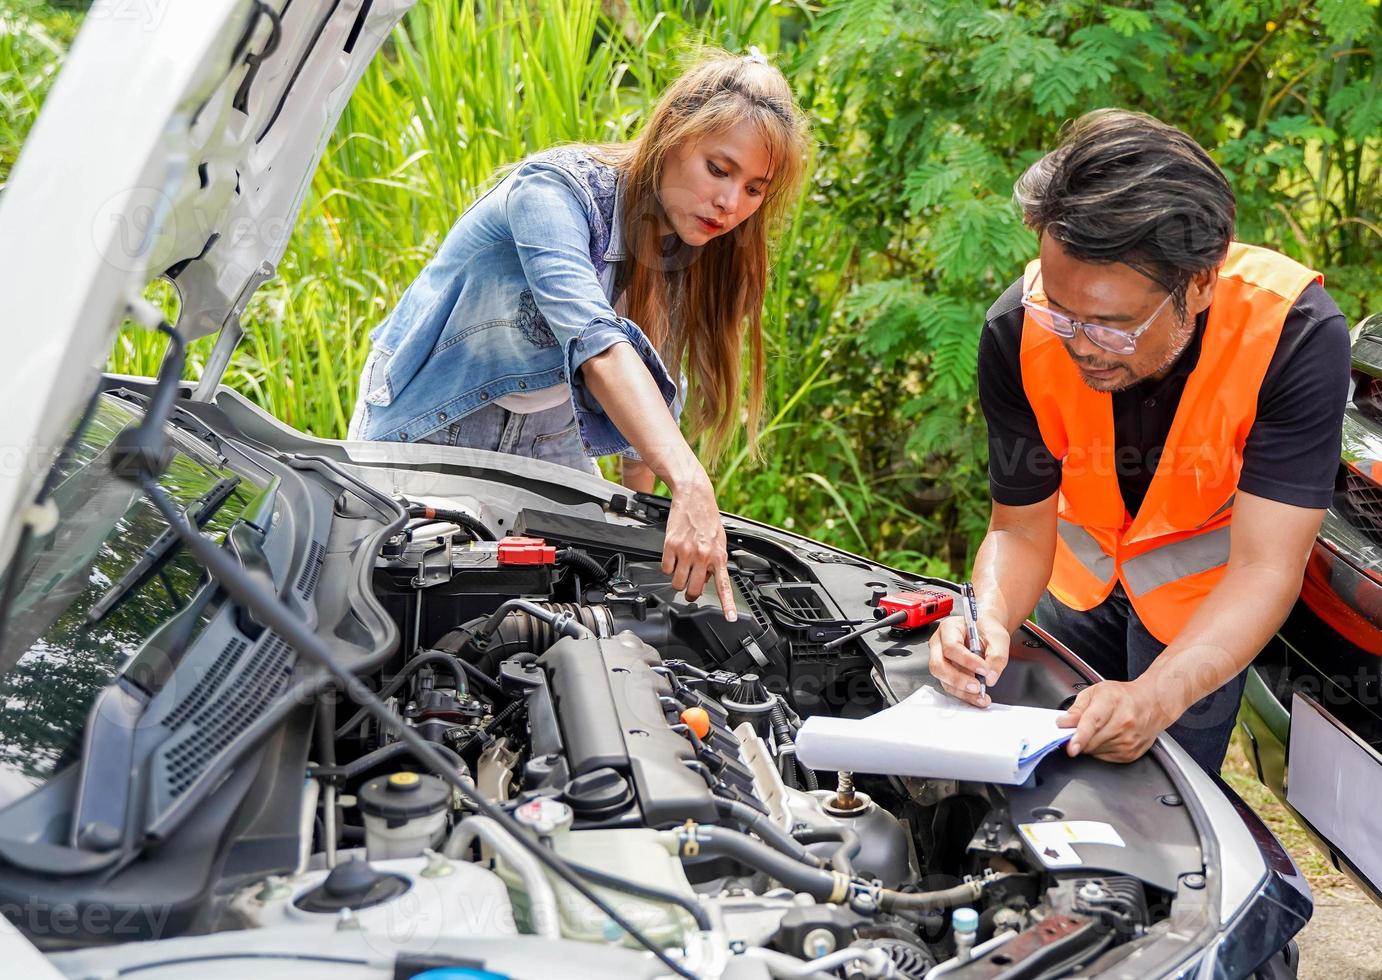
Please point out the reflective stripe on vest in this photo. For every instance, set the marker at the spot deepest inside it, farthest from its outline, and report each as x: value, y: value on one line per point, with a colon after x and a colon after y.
x: 1086, y: 548
x: 1173, y: 551
x: 1179, y: 559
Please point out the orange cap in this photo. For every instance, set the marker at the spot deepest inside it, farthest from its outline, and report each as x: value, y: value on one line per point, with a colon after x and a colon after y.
x: 698, y: 720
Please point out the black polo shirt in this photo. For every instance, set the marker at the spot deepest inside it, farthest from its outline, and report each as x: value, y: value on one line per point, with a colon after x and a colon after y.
x: 1292, y: 451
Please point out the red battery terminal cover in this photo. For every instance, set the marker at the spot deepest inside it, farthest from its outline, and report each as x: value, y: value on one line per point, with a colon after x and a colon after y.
x: 526, y: 551
x: 921, y: 607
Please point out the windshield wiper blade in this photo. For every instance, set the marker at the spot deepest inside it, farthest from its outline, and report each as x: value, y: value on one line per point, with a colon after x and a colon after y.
x: 179, y: 417
x: 156, y: 555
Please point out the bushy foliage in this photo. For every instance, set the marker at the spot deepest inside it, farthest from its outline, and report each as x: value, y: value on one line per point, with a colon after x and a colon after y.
x: 929, y: 112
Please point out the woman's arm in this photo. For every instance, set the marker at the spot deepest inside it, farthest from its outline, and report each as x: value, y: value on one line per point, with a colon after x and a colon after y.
x: 551, y: 232
x: 695, y: 547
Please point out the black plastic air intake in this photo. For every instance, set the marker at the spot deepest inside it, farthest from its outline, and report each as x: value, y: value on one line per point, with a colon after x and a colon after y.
x: 520, y: 631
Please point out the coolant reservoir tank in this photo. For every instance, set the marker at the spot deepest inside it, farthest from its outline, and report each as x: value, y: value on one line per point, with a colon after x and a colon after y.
x: 404, y: 813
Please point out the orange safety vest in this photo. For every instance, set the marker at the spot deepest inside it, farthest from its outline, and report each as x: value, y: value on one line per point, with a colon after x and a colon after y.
x: 1175, y: 551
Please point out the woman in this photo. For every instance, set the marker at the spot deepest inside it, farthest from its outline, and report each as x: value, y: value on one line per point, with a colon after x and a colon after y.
x: 546, y: 323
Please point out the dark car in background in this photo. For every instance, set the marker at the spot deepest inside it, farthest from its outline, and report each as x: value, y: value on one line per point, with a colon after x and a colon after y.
x: 1311, y: 719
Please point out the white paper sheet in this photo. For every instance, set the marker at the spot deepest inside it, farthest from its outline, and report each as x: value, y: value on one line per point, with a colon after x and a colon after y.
x: 936, y: 736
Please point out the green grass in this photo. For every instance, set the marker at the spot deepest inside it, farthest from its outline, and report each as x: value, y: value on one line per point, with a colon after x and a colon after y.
x: 33, y: 39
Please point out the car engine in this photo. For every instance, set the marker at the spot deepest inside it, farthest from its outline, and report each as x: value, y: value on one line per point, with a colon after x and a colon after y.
x: 647, y: 739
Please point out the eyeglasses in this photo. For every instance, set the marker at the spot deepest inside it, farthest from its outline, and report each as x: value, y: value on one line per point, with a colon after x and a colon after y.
x: 1112, y: 339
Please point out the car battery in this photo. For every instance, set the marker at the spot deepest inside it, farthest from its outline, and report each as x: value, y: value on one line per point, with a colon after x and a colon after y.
x: 516, y: 566
x: 450, y: 580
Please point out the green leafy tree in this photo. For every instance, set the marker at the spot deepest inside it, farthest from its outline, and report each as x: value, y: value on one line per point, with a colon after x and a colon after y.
x: 929, y: 112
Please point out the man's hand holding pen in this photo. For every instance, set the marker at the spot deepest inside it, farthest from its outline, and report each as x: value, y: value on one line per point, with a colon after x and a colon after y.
x: 968, y: 654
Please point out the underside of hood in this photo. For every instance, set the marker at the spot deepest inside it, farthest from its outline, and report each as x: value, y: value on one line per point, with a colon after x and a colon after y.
x: 179, y: 140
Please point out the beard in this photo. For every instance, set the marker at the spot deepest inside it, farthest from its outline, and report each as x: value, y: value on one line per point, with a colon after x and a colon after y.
x: 1118, y: 382
x: 1182, y: 333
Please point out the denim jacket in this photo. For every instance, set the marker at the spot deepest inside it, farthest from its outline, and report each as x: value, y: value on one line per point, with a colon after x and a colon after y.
x: 519, y: 296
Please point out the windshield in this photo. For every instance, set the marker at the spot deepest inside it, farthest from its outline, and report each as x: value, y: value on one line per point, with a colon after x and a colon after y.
x: 53, y: 659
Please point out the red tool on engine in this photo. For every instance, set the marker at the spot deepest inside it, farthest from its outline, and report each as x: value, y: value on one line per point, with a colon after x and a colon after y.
x: 904, y: 611
x: 920, y: 607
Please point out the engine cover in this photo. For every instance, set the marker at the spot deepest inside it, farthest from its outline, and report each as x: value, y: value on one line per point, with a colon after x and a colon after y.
x: 606, y: 699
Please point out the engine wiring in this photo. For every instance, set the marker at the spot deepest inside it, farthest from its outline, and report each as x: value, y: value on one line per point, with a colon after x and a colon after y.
x: 255, y: 592
x: 139, y: 458
x: 257, y: 595
x: 477, y: 528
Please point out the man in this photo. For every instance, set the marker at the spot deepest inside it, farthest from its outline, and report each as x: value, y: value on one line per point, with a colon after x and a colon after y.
x: 1164, y: 409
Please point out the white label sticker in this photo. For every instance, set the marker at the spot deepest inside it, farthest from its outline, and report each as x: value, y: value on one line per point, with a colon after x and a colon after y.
x: 1052, y: 840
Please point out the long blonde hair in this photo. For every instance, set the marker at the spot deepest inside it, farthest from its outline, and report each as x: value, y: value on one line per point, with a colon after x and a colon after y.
x: 721, y: 284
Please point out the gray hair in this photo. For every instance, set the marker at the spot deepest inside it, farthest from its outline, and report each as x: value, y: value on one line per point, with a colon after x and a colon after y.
x: 1125, y: 187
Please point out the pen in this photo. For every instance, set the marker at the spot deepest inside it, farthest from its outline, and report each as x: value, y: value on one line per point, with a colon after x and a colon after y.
x: 971, y: 612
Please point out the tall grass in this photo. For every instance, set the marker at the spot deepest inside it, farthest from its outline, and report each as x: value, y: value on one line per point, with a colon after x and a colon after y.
x: 33, y: 39
x: 462, y: 90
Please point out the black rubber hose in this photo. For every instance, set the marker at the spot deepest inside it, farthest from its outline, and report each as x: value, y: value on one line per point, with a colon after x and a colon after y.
x: 483, y: 679
x: 460, y: 517
x: 563, y: 620
x: 511, y: 637
x: 842, y: 858
x: 452, y: 664
x: 820, y: 884
x: 762, y: 825
x: 692, y: 907
x: 945, y: 898
x: 519, y: 632
x: 387, y: 753
x: 582, y: 562
x: 782, y: 733
x: 457, y: 640
x: 454, y: 643
x: 255, y: 590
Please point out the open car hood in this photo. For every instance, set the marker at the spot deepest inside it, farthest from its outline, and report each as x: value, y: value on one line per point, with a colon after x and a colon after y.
x: 179, y: 141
